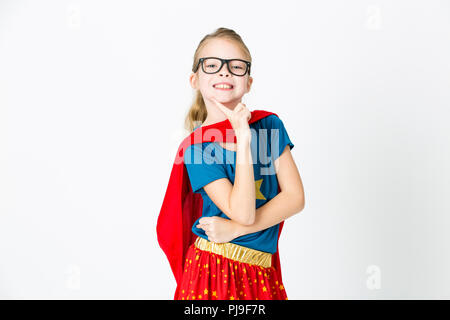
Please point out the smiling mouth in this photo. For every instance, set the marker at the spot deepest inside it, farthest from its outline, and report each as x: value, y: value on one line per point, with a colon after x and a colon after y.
x: 223, y: 87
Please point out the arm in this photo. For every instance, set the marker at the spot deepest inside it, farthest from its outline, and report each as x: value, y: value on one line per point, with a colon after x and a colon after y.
x: 237, y: 201
x: 285, y: 204
x: 288, y: 202
x: 242, y: 196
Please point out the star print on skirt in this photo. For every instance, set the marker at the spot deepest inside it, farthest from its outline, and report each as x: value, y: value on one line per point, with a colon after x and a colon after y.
x: 211, y: 276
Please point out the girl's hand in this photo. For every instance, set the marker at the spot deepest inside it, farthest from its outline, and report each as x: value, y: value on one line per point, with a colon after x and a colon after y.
x: 239, y: 118
x: 219, y: 229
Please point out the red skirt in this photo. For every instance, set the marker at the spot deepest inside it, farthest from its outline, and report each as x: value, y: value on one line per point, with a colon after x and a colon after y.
x: 227, y: 271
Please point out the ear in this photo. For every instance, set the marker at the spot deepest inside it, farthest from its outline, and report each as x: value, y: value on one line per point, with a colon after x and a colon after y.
x: 193, y: 80
x: 249, y: 83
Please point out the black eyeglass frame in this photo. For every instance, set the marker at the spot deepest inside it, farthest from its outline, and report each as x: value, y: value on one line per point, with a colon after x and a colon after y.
x: 222, y: 61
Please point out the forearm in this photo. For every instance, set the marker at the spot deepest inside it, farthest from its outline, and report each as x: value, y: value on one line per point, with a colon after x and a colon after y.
x: 242, y: 196
x: 276, y: 210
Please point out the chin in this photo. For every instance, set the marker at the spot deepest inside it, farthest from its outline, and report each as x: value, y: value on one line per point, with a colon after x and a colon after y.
x: 227, y: 101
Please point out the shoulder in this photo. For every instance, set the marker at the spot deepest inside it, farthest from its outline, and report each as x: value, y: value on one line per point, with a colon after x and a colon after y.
x: 270, y: 121
x: 275, y: 121
x: 191, y: 151
x: 202, y: 151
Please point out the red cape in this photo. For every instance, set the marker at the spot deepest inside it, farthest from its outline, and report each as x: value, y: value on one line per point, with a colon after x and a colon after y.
x: 181, y: 207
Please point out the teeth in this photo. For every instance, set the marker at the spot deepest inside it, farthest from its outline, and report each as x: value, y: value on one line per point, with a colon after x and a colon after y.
x: 223, y: 86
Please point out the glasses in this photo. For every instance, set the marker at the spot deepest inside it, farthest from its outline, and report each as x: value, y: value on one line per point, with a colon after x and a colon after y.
x: 211, y: 65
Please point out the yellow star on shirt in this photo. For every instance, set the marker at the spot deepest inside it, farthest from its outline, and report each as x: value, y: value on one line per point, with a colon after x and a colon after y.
x: 258, y: 192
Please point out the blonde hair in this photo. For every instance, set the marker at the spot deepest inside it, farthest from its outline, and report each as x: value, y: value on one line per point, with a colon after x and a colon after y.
x: 197, y: 112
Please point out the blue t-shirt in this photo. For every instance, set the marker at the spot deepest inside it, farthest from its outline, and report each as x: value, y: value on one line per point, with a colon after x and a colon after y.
x: 208, y: 161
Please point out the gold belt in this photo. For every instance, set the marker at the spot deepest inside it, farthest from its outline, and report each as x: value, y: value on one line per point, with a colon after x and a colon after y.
x: 236, y: 252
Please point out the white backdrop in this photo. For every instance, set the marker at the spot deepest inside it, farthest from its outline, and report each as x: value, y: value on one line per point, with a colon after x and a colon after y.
x: 92, y: 100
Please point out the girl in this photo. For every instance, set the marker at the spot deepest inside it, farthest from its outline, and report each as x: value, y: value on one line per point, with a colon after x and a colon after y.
x: 241, y: 196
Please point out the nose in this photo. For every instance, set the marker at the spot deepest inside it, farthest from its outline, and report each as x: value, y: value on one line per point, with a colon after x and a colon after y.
x: 224, y: 70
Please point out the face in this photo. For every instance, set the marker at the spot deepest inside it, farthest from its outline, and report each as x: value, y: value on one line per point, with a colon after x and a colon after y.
x: 204, y: 82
